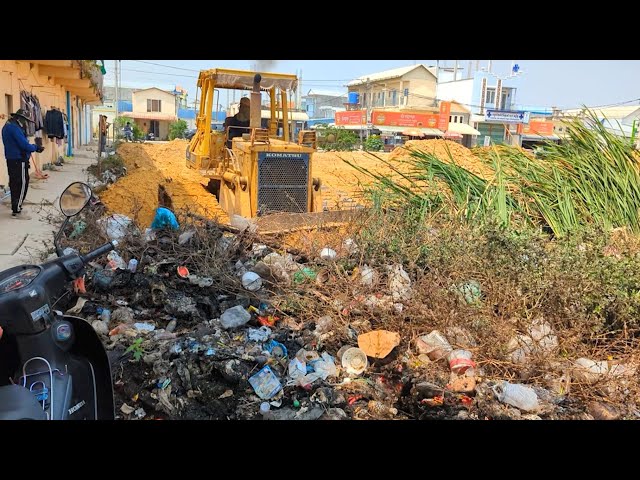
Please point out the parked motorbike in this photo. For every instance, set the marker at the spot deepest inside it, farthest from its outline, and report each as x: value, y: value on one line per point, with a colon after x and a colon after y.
x: 128, y: 135
x: 58, y: 367
x: 151, y: 136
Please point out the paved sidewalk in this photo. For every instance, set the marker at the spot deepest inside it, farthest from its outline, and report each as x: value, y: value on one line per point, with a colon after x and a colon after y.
x: 28, y: 241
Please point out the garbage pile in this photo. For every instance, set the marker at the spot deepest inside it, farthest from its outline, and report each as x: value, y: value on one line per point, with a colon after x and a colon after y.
x: 204, y: 323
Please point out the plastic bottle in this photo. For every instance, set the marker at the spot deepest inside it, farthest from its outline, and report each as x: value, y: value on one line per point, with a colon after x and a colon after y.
x: 265, y: 411
x: 133, y: 265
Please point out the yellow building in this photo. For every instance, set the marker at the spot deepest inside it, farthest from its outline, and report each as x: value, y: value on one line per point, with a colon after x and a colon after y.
x: 408, y: 87
x: 153, y: 110
x: 68, y: 85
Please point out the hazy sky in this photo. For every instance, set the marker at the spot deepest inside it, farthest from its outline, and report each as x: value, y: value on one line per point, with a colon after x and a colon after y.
x: 561, y: 83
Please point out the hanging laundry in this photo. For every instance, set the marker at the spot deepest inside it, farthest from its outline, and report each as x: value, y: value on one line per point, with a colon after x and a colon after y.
x: 54, y: 123
x: 31, y: 104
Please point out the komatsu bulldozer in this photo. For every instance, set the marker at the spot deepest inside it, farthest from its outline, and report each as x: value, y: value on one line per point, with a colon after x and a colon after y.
x: 263, y: 174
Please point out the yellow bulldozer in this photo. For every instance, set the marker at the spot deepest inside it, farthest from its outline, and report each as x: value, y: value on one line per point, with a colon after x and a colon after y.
x: 262, y: 174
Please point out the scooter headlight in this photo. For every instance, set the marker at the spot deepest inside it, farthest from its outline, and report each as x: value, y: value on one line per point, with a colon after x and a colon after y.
x: 63, y: 332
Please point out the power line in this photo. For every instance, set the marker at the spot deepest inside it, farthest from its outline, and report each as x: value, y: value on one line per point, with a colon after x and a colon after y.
x: 166, y: 66
x: 309, y: 83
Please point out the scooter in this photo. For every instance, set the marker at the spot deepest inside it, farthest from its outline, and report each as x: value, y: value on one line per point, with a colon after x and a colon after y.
x: 60, y: 368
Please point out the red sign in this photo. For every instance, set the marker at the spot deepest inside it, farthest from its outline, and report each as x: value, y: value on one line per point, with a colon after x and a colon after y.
x: 537, y: 128
x: 404, y: 119
x: 443, y: 118
x: 351, y: 117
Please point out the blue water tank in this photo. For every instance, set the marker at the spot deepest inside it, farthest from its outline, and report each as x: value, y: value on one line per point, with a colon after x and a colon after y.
x: 354, y: 97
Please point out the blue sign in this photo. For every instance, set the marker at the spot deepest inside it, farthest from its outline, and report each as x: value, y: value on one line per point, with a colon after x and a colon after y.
x: 507, y: 116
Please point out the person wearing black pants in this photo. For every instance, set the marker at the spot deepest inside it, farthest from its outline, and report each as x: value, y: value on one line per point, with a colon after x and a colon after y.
x: 17, y: 151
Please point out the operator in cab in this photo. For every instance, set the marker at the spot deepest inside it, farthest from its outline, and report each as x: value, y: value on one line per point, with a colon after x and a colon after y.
x: 240, y: 119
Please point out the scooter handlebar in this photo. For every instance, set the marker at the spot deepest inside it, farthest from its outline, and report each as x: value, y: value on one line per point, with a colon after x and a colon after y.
x: 98, y: 252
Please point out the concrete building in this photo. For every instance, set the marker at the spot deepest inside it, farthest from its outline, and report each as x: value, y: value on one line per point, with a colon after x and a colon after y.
x: 69, y: 86
x: 411, y: 87
x: 323, y: 104
x: 491, y: 101
x: 153, y: 110
x: 623, y: 121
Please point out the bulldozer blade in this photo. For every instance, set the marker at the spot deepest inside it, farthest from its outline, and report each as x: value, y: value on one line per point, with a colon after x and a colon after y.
x: 291, y: 222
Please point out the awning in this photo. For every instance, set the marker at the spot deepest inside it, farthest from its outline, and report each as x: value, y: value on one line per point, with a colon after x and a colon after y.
x: 151, y: 116
x: 355, y: 127
x: 539, y: 138
x: 450, y: 134
x: 295, y: 116
x: 425, y: 131
x: 463, y: 129
x: 243, y: 79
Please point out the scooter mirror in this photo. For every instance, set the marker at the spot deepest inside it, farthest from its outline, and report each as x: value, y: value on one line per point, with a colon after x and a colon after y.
x: 75, y: 197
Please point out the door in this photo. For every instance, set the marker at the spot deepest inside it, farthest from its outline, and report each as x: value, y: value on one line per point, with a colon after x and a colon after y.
x: 154, y: 127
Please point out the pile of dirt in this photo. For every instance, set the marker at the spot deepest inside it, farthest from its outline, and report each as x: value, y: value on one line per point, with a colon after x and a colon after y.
x: 446, y: 151
x: 341, y: 183
x: 150, y: 166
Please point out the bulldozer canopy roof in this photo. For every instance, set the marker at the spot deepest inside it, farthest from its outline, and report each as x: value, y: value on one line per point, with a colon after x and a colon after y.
x: 243, y: 79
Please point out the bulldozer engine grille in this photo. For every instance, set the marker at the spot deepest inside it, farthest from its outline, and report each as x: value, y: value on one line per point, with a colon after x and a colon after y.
x: 282, y: 182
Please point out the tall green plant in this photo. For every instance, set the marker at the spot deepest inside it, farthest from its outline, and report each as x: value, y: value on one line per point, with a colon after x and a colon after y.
x: 177, y: 129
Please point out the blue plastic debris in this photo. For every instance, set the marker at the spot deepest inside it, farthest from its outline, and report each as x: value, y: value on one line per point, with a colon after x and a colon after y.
x: 164, y: 218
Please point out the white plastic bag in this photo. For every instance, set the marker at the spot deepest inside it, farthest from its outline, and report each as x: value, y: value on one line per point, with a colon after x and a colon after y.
x: 115, y: 226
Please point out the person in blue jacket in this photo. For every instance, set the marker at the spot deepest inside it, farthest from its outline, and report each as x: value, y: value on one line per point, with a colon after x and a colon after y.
x: 17, y: 151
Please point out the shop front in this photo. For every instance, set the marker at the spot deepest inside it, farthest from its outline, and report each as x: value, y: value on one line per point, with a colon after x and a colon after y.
x: 536, y: 134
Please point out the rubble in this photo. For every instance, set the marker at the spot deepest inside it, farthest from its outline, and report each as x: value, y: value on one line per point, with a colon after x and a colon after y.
x: 235, y: 338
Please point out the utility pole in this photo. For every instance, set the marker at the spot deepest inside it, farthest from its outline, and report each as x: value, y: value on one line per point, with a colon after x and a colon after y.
x: 370, y: 103
x: 116, y: 79
x: 299, y: 96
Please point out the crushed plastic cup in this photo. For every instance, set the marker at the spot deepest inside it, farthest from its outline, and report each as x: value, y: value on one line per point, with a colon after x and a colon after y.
x: 133, y: 265
x: 460, y: 361
x: 435, y: 345
x: 354, y: 361
x: 115, y: 261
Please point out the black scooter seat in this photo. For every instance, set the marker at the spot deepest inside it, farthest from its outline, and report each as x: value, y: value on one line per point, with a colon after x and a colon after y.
x: 18, y: 403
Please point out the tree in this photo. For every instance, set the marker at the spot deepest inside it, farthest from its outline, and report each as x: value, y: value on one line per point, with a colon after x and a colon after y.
x: 337, y: 138
x: 177, y: 129
x: 374, y: 143
x: 120, y: 122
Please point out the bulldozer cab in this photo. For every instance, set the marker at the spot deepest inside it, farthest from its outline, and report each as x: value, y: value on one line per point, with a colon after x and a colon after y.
x: 255, y: 168
x: 205, y: 152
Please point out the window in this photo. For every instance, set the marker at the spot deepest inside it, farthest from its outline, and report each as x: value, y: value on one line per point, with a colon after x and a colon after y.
x: 8, y: 102
x: 503, y: 101
x: 491, y: 95
x: 394, y: 97
x: 451, y: 119
x: 153, y: 105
